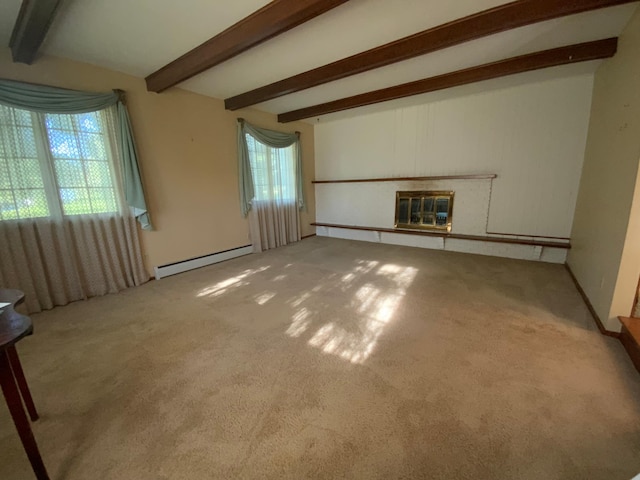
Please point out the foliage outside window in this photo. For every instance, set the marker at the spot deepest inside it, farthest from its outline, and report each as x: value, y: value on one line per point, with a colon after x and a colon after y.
x: 53, y: 165
x: 428, y: 210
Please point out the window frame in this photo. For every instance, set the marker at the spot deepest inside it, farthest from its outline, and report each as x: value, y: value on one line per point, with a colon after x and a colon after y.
x: 271, y: 155
x: 49, y: 176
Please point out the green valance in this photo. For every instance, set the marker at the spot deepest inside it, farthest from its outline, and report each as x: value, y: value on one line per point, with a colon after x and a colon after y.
x: 272, y: 139
x: 47, y: 99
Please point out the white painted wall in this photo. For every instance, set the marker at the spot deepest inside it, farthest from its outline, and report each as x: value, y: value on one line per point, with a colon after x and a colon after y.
x: 532, y: 136
x: 606, y: 254
x: 373, y: 204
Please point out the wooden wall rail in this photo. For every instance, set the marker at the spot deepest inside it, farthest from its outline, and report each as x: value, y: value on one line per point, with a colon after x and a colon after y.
x: 412, y: 179
x: 459, y: 236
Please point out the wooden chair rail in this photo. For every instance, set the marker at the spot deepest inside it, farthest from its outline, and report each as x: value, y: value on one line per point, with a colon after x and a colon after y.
x: 485, y: 176
x: 458, y: 236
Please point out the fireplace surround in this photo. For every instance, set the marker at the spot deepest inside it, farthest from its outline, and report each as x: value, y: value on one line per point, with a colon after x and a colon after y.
x: 424, y: 210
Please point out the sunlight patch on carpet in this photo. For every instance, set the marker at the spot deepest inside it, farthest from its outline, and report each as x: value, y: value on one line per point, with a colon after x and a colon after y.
x: 264, y: 297
x: 223, y: 286
x: 300, y: 322
x: 374, y: 303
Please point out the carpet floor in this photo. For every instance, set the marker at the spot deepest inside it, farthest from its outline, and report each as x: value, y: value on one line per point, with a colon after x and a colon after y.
x: 332, y: 359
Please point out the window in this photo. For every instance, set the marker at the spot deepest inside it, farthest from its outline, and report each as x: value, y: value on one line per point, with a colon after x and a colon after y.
x: 53, y: 165
x: 424, y: 210
x: 273, y: 171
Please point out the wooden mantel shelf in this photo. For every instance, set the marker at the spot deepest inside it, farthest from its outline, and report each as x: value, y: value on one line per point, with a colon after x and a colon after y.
x: 459, y: 236
x: 486, y: 176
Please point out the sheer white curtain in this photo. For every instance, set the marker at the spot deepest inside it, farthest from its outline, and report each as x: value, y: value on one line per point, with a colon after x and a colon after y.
x: 65, y: 230
x: 273, y: 218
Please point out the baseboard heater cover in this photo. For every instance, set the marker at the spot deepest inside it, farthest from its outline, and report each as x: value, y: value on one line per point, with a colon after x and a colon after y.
x: 186, y: 265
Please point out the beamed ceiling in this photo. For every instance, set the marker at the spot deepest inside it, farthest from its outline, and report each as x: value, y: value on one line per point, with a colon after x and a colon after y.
x: 251, y: 44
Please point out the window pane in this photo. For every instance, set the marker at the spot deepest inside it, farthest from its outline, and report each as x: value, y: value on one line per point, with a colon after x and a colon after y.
x: 15, y: 117
x: 25, y: 173
x: 8, y: 208
x: 98, y: 174
x: 31, y: 203
x: 26, y: 140
x: 75, y: 201
x: 403, y: 210
x: 80, y: 156
x: 63, y: 144
x: 59, y: 122
x: 69, y: 173
x: 77, y: 153
x: 92, y: 146
x: 273, y: 171
x: 415, y: 210
x: 428, y: 218
x: 442, y: 211
x: 27, y: 203
x: 5, y: 181
x: 102, y: 200
x: 89, y: 122
x: 22, y: 192
x: 428, y: 204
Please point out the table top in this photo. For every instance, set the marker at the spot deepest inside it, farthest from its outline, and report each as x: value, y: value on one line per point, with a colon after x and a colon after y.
x: 13, y: 325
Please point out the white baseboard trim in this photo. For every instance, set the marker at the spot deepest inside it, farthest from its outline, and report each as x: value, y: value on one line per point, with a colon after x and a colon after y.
x: 186, y: 265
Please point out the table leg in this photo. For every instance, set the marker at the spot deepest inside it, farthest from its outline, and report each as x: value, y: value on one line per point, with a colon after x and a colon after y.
x: 12, y: 396
x: 22, y: 382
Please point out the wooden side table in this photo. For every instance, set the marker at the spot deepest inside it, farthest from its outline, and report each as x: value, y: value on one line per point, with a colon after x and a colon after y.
x: 13, y: 328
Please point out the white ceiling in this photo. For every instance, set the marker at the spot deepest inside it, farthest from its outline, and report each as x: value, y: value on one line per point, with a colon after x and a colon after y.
x: 138, y: 37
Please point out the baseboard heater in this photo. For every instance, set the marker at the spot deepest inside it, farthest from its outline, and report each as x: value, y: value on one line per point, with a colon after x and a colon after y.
x: 185, y: 265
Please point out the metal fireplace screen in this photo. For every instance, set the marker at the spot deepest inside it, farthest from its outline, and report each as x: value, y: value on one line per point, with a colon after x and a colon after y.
x: 424, y: 210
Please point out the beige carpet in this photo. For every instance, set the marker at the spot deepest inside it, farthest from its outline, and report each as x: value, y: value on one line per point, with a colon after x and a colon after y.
x: 332, y: 359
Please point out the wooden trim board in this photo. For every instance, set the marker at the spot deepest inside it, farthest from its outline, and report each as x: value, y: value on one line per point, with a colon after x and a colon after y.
x: 527, y: 235
x: 411, y: 179
x: 630, y: 338
x: 592, y: 310
x: 457, y: 236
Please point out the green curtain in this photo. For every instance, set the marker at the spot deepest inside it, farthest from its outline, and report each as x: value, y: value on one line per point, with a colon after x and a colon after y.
x: 272, y: 139
x: 46, y: 99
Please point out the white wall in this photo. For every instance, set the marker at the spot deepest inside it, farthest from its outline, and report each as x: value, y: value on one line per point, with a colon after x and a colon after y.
x: 373, y: 204
x: 606, y: 254
x: 532, y: 136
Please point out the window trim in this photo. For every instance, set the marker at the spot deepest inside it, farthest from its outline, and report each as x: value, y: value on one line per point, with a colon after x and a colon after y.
x: 272, y: 156
x: 47, y: 164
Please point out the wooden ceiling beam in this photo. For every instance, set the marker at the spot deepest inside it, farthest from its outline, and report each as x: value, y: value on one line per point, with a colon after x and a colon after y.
x: 488, y: 22
x: 31, y: 27
x: 534, y: 61
x: 271, y: 20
